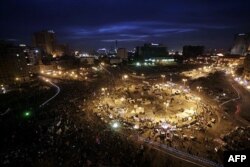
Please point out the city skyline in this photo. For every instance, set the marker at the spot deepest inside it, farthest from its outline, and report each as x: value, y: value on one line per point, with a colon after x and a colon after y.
x: 87, y: 24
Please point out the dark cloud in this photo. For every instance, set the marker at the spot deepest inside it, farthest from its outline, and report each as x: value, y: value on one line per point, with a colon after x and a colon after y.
x: 87, y: 23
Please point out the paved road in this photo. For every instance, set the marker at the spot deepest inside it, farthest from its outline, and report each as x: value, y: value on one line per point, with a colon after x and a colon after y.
x: 6, y: 111
x: 243, y: 106
x: 57, y: 91
x: 233, y: 99
x: 184, y: 156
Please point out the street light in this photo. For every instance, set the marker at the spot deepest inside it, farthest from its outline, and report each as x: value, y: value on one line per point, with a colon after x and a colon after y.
x: 125, y: 77
x: 138, y: 64
x: 170, y: 77
x: 198, y: 99
x: 163, y: 77
x: 136, y: 126
x: 104, y: 90
x: 122, y: 99
x: 199, y: 88
x: 184, y: 81
x: 27, y: 114
x: 115, y: 125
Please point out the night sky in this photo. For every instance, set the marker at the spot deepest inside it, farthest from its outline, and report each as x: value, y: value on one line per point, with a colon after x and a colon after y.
x: 89, y: 24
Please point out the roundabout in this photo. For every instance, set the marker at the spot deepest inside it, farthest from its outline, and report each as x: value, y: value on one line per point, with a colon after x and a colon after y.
x: 167, y: 108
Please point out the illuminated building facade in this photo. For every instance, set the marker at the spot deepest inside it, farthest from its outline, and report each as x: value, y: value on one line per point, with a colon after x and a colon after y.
x: 13, y: 64
x: 45, y: 40
x: 151, y: 50
x: 241, y: 44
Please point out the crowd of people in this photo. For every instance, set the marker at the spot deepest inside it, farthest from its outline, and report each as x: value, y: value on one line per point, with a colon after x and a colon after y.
x: 188, y: 135
x: 67, y: 133
x: 238, y: 138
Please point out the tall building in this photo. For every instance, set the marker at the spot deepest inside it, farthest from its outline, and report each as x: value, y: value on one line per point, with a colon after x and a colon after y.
x: 61, y: 49
x: 122, y: 53
x: 190, y: 51
x: 13, y: 64
x: 151, y: 50
x: 45, y: 40
x: 32, y: 55
x: 246, y: 73
x: 241, y: 44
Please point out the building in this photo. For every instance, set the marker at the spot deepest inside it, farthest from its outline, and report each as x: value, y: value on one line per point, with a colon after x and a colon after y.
x: 32, y: 55
x: 122, y: 53
x: 14, y: 66
x: 241, y: 44
x: 190, y: 51
x: 90, y: 60
x: 246, y: 73
x: 61, y: 49
x: 86, y: 59
x: 153, y: 54
x: 115, y: 60
x: 45, y: 40
x: 102, y: 52
x: 236, y: 60
x: 151, y: 50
